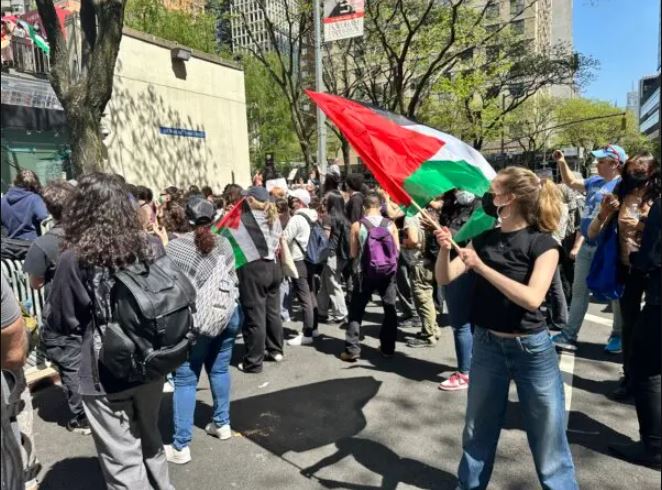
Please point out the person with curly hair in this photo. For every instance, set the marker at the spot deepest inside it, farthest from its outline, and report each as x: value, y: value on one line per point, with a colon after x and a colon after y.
x: 103, y: 235
x: 23, y: 208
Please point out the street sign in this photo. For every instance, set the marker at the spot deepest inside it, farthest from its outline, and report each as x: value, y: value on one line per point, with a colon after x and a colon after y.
x: 343, y: 19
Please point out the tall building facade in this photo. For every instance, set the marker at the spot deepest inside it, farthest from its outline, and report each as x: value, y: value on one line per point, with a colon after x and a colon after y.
x: 649, y: 112
x: 632, y: 103
x: 249, y: 26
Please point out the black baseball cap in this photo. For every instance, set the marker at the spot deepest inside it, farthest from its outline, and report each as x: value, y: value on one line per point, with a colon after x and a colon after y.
x: 257, y: 192
x: 199, y: 211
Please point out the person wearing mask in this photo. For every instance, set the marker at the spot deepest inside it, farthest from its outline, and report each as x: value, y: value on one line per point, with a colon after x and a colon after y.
x: 198, y: 254
x: 297, y: 234
x: 645, y: 349
x: 103, y: 235
x: 22, y: 209
x: 595, y: 187
x: 259, y: 283
x: 336, y: 225
x: 458, y: 207
x: 514, y: 266
x: 629, y: 206
x: 63, y: 350
x: 367, y: 281
x: 354, y: 206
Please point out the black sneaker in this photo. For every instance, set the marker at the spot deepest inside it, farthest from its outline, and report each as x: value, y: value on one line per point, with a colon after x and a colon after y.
x: 638, y: 454
x: 621, y: 394
x: 419, y: 343
x: 79, y: 425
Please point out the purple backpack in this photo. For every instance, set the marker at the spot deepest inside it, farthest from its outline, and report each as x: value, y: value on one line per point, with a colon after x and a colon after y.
x: 380, y: 255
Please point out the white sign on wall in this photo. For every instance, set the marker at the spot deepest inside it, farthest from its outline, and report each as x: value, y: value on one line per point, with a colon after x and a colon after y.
x: 343, y: 19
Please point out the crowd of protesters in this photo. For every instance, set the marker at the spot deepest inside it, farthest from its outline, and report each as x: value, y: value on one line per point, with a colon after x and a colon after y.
x: 328, y: 244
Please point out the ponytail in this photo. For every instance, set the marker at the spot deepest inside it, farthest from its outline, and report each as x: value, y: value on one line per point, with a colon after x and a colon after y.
x: 539, y: 200
x: 269, y: 208
x: 204, y: 240
x: 549, y: 207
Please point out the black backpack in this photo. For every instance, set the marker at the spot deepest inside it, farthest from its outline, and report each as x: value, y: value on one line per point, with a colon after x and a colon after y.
x: 150, y: 328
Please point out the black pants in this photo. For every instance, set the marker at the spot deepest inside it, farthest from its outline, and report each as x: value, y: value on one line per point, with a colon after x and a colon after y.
x: 361, y: 294
x: 259, y: 290
x: 635, y: 282
x: 646, y: 375
x: 304, y: 288
x: 64, y: 352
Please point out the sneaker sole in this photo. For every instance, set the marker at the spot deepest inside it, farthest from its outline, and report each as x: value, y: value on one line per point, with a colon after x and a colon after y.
x: 462, y: 388
x: 81, y: 432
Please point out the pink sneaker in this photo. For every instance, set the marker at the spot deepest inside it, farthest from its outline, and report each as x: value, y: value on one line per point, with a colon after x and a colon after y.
x: 456, y: 382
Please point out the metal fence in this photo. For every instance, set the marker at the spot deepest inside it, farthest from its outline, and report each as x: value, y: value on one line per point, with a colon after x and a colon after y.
x: 27, y: 58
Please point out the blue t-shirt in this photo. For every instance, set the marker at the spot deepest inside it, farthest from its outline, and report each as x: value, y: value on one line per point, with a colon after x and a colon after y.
x: 596, y: 188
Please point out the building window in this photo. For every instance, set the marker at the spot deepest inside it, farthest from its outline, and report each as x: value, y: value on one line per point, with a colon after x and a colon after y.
x: 492, y: 54
x: 516, y: 7
x: 492, y: 10
x: 518, y: 27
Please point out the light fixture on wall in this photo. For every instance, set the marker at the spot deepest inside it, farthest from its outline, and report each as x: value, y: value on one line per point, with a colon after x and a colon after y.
x: 180, y: 54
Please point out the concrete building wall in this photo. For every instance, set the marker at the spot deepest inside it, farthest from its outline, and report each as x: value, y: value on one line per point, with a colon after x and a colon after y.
x: 176, y: 123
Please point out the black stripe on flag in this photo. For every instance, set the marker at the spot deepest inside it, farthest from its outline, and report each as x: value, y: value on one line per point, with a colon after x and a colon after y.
x: 254, y: 231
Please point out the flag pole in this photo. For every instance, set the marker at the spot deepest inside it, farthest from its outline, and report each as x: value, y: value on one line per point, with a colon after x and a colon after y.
x: 436, y: 225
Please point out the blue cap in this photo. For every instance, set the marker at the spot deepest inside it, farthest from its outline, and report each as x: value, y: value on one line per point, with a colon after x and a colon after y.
x: 257, y: 192
x: 614, y: 152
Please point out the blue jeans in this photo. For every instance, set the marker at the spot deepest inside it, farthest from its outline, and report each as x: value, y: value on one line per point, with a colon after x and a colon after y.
x: 215, y: 354
x: 580, y: 292
x: 458, y: 294
x: 532, y: 363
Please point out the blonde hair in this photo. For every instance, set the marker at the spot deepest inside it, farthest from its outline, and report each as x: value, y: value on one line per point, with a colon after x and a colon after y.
x: 269, y: 208
x: 539, y: 200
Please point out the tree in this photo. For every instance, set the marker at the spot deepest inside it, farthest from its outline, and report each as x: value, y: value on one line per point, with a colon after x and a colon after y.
x: 591, y: 124
x: 84, y: 93
x: 285, y: 53
x: 269, y: 120
x: 194, y: 30
x: 529, y: 125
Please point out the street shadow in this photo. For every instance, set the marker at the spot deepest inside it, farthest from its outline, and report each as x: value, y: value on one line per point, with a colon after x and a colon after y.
x: 74, y: 474
x: 373, y: 360
x: 596, y: 352
x: 51, y: 405
x: 603, y: 387
x: 383, y: 461
x: 582, y: 430
x: 302, y: 418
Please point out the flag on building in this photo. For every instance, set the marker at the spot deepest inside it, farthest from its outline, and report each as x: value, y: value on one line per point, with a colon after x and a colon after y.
x: 37, y: 40
x: 410, y: 161
x: 243, y: 232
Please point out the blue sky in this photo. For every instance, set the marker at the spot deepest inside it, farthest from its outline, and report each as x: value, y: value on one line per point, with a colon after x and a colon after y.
x: 623, y: 36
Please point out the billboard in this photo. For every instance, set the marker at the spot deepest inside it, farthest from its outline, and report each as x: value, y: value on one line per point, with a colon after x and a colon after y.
x: 343, y: 19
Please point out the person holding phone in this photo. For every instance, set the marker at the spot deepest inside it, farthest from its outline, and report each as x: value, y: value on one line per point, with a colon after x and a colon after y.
x: 609, y: 162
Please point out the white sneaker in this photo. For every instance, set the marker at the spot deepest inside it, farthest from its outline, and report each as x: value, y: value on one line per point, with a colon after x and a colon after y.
x: 278, y: 357
x: 300, y: 340
x: 223, y: 432
x: 181, y: 456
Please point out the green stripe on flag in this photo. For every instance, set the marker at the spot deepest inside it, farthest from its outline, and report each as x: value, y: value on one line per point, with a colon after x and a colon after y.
x: 478, y: 223
x: 239, y: 257
x: 434, y: 178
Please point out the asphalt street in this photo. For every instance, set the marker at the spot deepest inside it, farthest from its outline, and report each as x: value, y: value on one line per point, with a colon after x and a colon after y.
x: 315, y: 422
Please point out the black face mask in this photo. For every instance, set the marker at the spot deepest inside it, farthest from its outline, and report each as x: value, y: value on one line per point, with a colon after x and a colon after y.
x: 633, y: 181
x: 488, y: 205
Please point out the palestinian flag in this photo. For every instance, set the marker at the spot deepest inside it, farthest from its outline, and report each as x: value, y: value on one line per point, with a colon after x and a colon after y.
x: 244, y: 234
x: 37, y: 40
x: 410, y: 161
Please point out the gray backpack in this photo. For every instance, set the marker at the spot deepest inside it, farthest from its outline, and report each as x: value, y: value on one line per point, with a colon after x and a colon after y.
x: 216, y: 300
